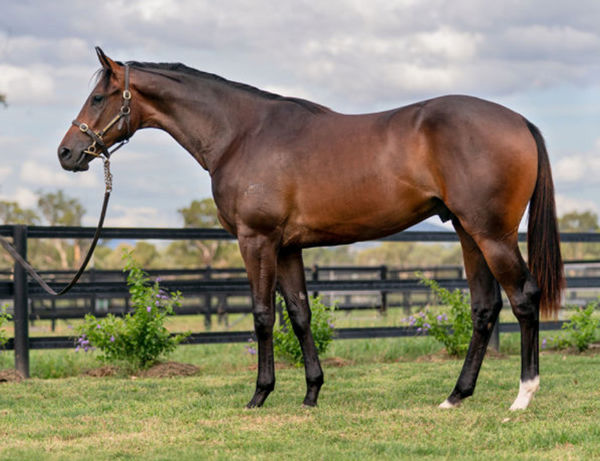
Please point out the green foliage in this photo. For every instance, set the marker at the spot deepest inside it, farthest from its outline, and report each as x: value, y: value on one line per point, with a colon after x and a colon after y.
x: 581, y: 330
x: 452, y: 329
x: 285, y: 343
x: 140, y: 338
x: 4, y: 318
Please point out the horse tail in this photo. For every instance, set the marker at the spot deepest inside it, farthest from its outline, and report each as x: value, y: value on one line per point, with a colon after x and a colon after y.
x: 543, y: 239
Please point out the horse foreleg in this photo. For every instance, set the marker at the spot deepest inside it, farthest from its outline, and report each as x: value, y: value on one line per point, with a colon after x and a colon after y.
x: 486, y: 303
x: 290, y: 274
x: 260, y: 257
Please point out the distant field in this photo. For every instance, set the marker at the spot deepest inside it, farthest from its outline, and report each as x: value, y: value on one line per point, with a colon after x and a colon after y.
x: 379, y: 402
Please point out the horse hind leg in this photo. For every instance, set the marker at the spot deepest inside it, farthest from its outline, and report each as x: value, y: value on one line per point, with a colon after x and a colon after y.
x: 486, y: 303
x: 290, y: 275
x: 506, y: 263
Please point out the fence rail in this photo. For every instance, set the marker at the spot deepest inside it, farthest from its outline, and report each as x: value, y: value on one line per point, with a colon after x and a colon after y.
x: 21, y: 290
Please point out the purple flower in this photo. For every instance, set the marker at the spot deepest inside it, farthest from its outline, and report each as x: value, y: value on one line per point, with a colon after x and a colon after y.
x: 158, y: 279
x: 544, y: 342
x: 251, y: 350
x: 149, y: 308
x: 112, y: 339
x: 99, y: 327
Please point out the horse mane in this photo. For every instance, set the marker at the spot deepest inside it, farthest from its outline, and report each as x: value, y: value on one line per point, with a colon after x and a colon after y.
x: 168, y: 69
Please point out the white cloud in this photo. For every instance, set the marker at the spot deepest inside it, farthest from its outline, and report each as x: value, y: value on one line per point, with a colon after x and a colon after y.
x: 566, y: 204
x: 122, y: 216
x: 40, y: 175
x: 26, y: 85
x: 23, y: 196
x: 579, y: 168
x: 5, y: 172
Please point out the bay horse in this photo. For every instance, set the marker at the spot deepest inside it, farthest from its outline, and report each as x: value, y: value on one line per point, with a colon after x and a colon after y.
x: 288, y: 174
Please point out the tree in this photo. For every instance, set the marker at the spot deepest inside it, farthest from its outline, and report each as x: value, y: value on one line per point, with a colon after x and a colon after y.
x: 203, y: 214
x: 575, y: 221
x: 60, y: 210
x: 12, y: 213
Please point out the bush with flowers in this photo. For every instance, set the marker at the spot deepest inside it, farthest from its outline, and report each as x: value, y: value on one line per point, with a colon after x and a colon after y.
x: 139, y: 338
x: 580, y: 331
x: 452, y: 329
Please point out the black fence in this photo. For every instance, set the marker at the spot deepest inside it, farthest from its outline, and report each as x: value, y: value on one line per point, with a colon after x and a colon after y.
x: 210, y: 283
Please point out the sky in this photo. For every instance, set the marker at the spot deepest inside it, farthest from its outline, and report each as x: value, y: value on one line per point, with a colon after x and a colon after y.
x: 540, y: 58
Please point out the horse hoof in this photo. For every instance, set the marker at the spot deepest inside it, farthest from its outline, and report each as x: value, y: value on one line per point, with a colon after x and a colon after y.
x: 446, y: 405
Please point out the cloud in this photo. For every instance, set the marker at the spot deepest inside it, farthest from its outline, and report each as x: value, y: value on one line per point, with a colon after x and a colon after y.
x: 122, y: 216
x: 579, y: 168
x: 25, y: 85
x: 23, y: 196
x: 40, y: 175
x: 5, y: 172
x: 566, y: 204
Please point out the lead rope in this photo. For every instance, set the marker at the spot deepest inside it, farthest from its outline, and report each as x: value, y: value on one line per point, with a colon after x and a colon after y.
x: 31, y: 271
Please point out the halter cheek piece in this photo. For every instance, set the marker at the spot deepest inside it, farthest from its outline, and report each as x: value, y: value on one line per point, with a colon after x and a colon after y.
x: 98, y: 148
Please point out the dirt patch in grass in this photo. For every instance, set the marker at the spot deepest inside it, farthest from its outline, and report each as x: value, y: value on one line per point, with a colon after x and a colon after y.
x: 337, y: 362
x: 10, y: 376
x: 160, y: 370
x: 170, y: 370
x: 106, y: 370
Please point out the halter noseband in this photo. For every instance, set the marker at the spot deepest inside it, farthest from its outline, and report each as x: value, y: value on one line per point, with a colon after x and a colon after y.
x: 97, y: 137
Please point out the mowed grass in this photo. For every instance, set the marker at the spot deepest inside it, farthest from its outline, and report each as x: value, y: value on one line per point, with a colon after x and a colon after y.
x: 381, y: 403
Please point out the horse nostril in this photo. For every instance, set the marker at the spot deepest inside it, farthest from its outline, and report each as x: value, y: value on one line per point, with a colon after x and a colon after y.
x: 64, y: 153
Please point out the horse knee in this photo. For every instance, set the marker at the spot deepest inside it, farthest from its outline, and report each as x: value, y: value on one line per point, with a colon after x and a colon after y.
x: 484, y: 315
x: 264, y: 320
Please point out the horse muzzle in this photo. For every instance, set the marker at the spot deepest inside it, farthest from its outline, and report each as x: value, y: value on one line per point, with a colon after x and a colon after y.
x: 73, y: 160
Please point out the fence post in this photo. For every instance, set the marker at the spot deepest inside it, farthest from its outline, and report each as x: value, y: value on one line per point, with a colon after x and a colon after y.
x: 21, y: 301
x: 383, y: 274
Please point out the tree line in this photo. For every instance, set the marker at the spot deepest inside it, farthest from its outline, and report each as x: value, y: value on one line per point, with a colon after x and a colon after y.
x: 57, y: 209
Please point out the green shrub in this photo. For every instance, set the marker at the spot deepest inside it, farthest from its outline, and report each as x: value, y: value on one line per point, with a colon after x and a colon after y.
x: 4, y: 318
x: 581, y: 330
x: 452, y: 329
x: 285, y: 343
x: 139, y: 338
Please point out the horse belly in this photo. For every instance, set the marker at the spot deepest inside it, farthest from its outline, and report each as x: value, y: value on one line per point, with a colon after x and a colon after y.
x: 324, y: 219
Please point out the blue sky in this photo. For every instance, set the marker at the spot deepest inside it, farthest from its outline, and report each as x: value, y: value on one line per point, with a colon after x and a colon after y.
x: 540, y: 58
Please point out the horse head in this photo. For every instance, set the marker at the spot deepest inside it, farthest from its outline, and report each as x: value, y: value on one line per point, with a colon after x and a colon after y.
x: 104, y: 120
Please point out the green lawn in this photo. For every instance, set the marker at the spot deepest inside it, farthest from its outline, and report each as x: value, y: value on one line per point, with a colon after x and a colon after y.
x: 381, y: 404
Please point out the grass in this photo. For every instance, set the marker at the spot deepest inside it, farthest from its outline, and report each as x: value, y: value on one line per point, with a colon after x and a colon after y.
x: 381, y: 405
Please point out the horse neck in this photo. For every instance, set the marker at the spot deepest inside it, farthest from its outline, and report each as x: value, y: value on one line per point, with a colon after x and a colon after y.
x: 201, y: 116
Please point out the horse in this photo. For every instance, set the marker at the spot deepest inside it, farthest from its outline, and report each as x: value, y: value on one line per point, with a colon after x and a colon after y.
x: 288, y: 174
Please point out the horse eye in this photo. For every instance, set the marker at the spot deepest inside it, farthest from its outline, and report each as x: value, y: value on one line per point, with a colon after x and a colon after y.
x: 97, y: 99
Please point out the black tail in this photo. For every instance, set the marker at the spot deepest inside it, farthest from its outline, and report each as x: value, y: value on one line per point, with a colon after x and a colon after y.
x: 543, y: 239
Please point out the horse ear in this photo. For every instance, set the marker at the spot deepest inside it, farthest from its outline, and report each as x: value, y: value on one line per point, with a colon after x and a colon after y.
x: 106, y: 62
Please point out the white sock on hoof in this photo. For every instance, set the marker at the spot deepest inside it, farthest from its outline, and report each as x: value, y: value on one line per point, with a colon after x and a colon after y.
x: 448, y: 405
x: 527, y: 389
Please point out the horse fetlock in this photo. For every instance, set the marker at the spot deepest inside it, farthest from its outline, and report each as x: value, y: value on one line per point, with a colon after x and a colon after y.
x: 527, y: 390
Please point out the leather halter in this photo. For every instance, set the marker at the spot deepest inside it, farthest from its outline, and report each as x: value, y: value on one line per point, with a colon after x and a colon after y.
x: 97, y: 137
